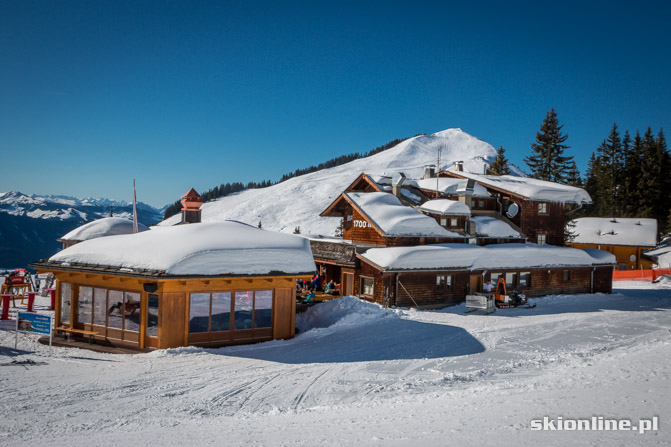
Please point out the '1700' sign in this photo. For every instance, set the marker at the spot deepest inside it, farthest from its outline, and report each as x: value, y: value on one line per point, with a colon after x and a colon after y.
x: 361, y: 224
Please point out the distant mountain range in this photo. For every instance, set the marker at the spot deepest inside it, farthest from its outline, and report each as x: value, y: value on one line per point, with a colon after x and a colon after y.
x: 30, y: 224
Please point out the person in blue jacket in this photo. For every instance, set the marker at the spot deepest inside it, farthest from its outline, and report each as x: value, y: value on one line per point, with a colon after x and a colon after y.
x: 317, y: 282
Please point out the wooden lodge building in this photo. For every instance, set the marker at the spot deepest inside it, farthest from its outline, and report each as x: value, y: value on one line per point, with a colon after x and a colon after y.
x: 439, y: 275
x: 486, y: 229
x: 202, y: 284
x: 626, y: 238
x: 536, y: 207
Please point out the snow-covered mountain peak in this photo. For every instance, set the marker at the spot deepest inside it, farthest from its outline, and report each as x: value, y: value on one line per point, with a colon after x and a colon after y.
x: 298, y: 201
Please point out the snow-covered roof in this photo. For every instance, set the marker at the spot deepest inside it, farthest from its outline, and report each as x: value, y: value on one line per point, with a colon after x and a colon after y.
x: 617, y: 231
x: 446, y: 207
x: 449, y: 186
x: 530, y: 188
x: 217, y: 248
x: 107, y: 226
x: 493, y: 227
x: 395, y: 219
x: 661, y: 255
x: 475, y: 257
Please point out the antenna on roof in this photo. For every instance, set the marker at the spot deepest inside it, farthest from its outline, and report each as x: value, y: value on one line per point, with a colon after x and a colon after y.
x: 440, y: 149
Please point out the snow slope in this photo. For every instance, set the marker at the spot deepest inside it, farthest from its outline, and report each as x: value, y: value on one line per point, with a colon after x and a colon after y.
x: 360, y: 375
x: 298, y: 201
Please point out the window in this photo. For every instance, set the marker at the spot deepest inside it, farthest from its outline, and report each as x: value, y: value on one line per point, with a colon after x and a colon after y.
x: 115, y: 309
x: 100, y: 307
x: 367, y: 286
x: 66, y: 296
x: 542, y: 239
x: 481, y: 203
x: 567, y: 275
x: 152, y: 315
x: 542, y: 208
x: 444, y: 282
x: 525, y: 279
x: 131, y: 312
x: 212, y: 312
x: 510, y: 279
x: 199, y: 313
x: 443, y: 222
x: 85, y: 305
x: 495, y: 277
x: 454, y: 222
x: 244, y: 306
x: 263, y: 308
x: 221, y: 312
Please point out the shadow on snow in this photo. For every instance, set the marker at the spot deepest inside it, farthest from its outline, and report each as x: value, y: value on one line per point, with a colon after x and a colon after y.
x: 386, y: 339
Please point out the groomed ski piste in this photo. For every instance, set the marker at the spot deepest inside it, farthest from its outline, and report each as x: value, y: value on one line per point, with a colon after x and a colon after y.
x: 359, y: 375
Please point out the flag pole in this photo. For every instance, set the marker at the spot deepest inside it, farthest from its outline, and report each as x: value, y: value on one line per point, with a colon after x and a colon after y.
x: 134, y: 209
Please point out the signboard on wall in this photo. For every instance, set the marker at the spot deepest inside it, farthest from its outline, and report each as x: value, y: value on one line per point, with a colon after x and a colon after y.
x: 361, y: 224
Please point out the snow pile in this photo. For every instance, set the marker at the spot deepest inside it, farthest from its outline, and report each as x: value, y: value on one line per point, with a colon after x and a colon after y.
x: 216, y: 248
x: 339, y: 312
x: 615, y: 231
x: 446, y: 207
x: 664, y: 280
x: 449, y: 186
x: 473, y: 257
x: 493, y: 227
x: 396, y: 219
x: 532, y: 189
x: 107, y: 226
x: 299, y: 200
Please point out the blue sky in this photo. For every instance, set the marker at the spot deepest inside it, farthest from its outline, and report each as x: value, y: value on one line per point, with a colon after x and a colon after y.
x: 182, y: 94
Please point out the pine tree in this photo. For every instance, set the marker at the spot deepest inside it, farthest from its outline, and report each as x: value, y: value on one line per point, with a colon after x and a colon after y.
x: 569, y: 231
x: 649, y: 178
x: 591, y: 181
x: 609, y: 191
x: 574, y: 178
x: 500, y: 164
x: 632, y: 176
x: 547, y: 161
x: 297, y: 230
x: 259, y: 225
x: 339, y: 232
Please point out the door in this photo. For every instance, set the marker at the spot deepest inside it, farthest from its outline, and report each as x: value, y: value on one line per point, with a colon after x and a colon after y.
x: 476, y: 283
x: 347, y: 287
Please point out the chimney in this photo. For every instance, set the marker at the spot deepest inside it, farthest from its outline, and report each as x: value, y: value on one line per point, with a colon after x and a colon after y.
x: 191, y: 202
x: 471, y: 228
x: 459, y: 166
x: 429, y: 171
x: 397, y: 183
x: 465, y: 192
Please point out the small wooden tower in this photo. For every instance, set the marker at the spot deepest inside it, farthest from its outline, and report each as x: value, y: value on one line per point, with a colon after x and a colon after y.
x: 191, y: 203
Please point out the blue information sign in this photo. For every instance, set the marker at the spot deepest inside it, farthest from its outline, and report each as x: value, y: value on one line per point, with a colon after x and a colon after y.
x: 30, y: 322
